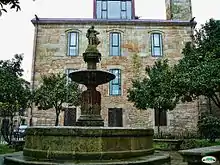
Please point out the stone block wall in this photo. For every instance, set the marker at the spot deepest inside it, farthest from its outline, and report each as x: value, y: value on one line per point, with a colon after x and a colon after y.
x: 51, y: 57
x: 178, y: 9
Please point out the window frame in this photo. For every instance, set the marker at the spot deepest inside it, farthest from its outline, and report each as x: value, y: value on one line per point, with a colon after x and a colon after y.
x: 113, y: 115
x: 153, y: 46
x: 69, y: 46
x: 111, y: 43
x: 120, y: 12
x: 111, y: 83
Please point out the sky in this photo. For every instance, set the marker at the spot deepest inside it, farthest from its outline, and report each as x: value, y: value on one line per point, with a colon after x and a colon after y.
x: 17, y: 31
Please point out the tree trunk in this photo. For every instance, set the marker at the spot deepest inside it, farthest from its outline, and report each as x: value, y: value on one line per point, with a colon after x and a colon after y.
x: 57, y: 117
x: 158, y: 126
x: 5, y: 129
x: 11, y: 130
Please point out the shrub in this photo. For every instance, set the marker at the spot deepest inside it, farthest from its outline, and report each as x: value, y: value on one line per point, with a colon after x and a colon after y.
x: 5, y: 149
x: 209, y: 127
x: 196, y: 143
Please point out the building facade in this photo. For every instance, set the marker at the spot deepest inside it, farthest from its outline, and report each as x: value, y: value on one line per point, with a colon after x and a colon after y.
x: 128, y: 44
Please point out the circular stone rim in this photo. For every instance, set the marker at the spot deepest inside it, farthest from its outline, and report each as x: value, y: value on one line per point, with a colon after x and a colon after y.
x: 89, y: 131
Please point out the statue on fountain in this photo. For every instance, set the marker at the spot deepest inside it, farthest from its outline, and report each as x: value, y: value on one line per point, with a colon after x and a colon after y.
x: 92, y: 53
x: 92, y: 36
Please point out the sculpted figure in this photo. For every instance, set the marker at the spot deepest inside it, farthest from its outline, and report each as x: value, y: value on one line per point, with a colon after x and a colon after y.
x: 92, y: 36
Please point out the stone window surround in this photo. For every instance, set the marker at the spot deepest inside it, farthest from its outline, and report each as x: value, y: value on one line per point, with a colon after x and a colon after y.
x: 109, y: 32
x: 79, y: 32
x: 150, y: 41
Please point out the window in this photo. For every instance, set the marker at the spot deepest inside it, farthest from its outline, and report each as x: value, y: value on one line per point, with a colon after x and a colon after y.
x: 73, y: 43
x: 115, y: 44
x: 115, y: 117
x: 160, y: 119
x: 156, y: 44
x: 115, y: 85
x: 70, y: 117
x: 113, y: 9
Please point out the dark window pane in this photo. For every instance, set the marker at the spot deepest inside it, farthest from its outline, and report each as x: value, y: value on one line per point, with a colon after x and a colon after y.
x: 115, y: 117
x: 162, y: 118
x: 114, y: 9
x: 98, y: 9
x: 70, y: 117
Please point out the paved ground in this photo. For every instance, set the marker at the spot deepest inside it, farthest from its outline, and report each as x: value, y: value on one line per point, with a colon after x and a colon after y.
x: 176, y: 159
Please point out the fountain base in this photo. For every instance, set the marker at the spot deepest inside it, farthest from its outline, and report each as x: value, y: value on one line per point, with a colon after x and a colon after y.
x: 88, y: 145
x: 155, y: 159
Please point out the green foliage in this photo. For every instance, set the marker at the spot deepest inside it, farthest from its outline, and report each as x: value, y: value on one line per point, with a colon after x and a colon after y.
x: 182, y: 135
x: 161, y: 146
x: 156, y: 90
x: 4, y: 149
x: 209, y: 127
x: 14, y: 4
x: 15, y: 93
x: 54, y: 91
x: 196, y: 143
x: 198, y: 71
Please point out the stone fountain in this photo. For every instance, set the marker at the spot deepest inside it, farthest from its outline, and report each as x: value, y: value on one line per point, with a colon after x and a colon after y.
x: 89, y: 143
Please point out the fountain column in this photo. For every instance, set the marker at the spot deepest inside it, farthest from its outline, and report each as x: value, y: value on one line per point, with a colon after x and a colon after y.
x: 91, y: 98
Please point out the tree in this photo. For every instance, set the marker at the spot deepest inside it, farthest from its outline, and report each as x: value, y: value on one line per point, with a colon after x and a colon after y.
x: 14, y: 4
x: 197, y: 73
x: 155, y: 91
x: 54, y: 92
x: 15, y: 93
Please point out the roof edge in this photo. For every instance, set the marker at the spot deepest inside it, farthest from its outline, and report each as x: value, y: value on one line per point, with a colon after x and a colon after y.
x: 112, y: 21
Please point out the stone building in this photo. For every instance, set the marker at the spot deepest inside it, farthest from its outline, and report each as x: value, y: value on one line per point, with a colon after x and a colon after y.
x: 128, y: 44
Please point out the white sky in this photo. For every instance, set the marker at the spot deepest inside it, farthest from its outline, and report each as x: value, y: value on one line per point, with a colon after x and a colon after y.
x: 17, y: 32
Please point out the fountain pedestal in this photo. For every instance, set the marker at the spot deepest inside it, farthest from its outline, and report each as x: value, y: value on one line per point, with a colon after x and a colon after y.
x: 90, y: 108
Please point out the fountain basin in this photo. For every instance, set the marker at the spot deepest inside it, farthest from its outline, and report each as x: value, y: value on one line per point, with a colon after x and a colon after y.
x: 91, y: 77
x: 87, y: 143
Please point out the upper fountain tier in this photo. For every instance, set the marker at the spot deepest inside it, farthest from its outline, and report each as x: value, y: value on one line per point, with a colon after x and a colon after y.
x: 91, y: 76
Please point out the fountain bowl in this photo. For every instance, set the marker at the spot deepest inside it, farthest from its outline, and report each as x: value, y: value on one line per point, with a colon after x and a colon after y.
x: 91, y: 77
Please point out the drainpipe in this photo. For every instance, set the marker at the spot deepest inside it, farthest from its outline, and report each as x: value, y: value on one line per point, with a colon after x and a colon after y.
x: 33, y: 66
